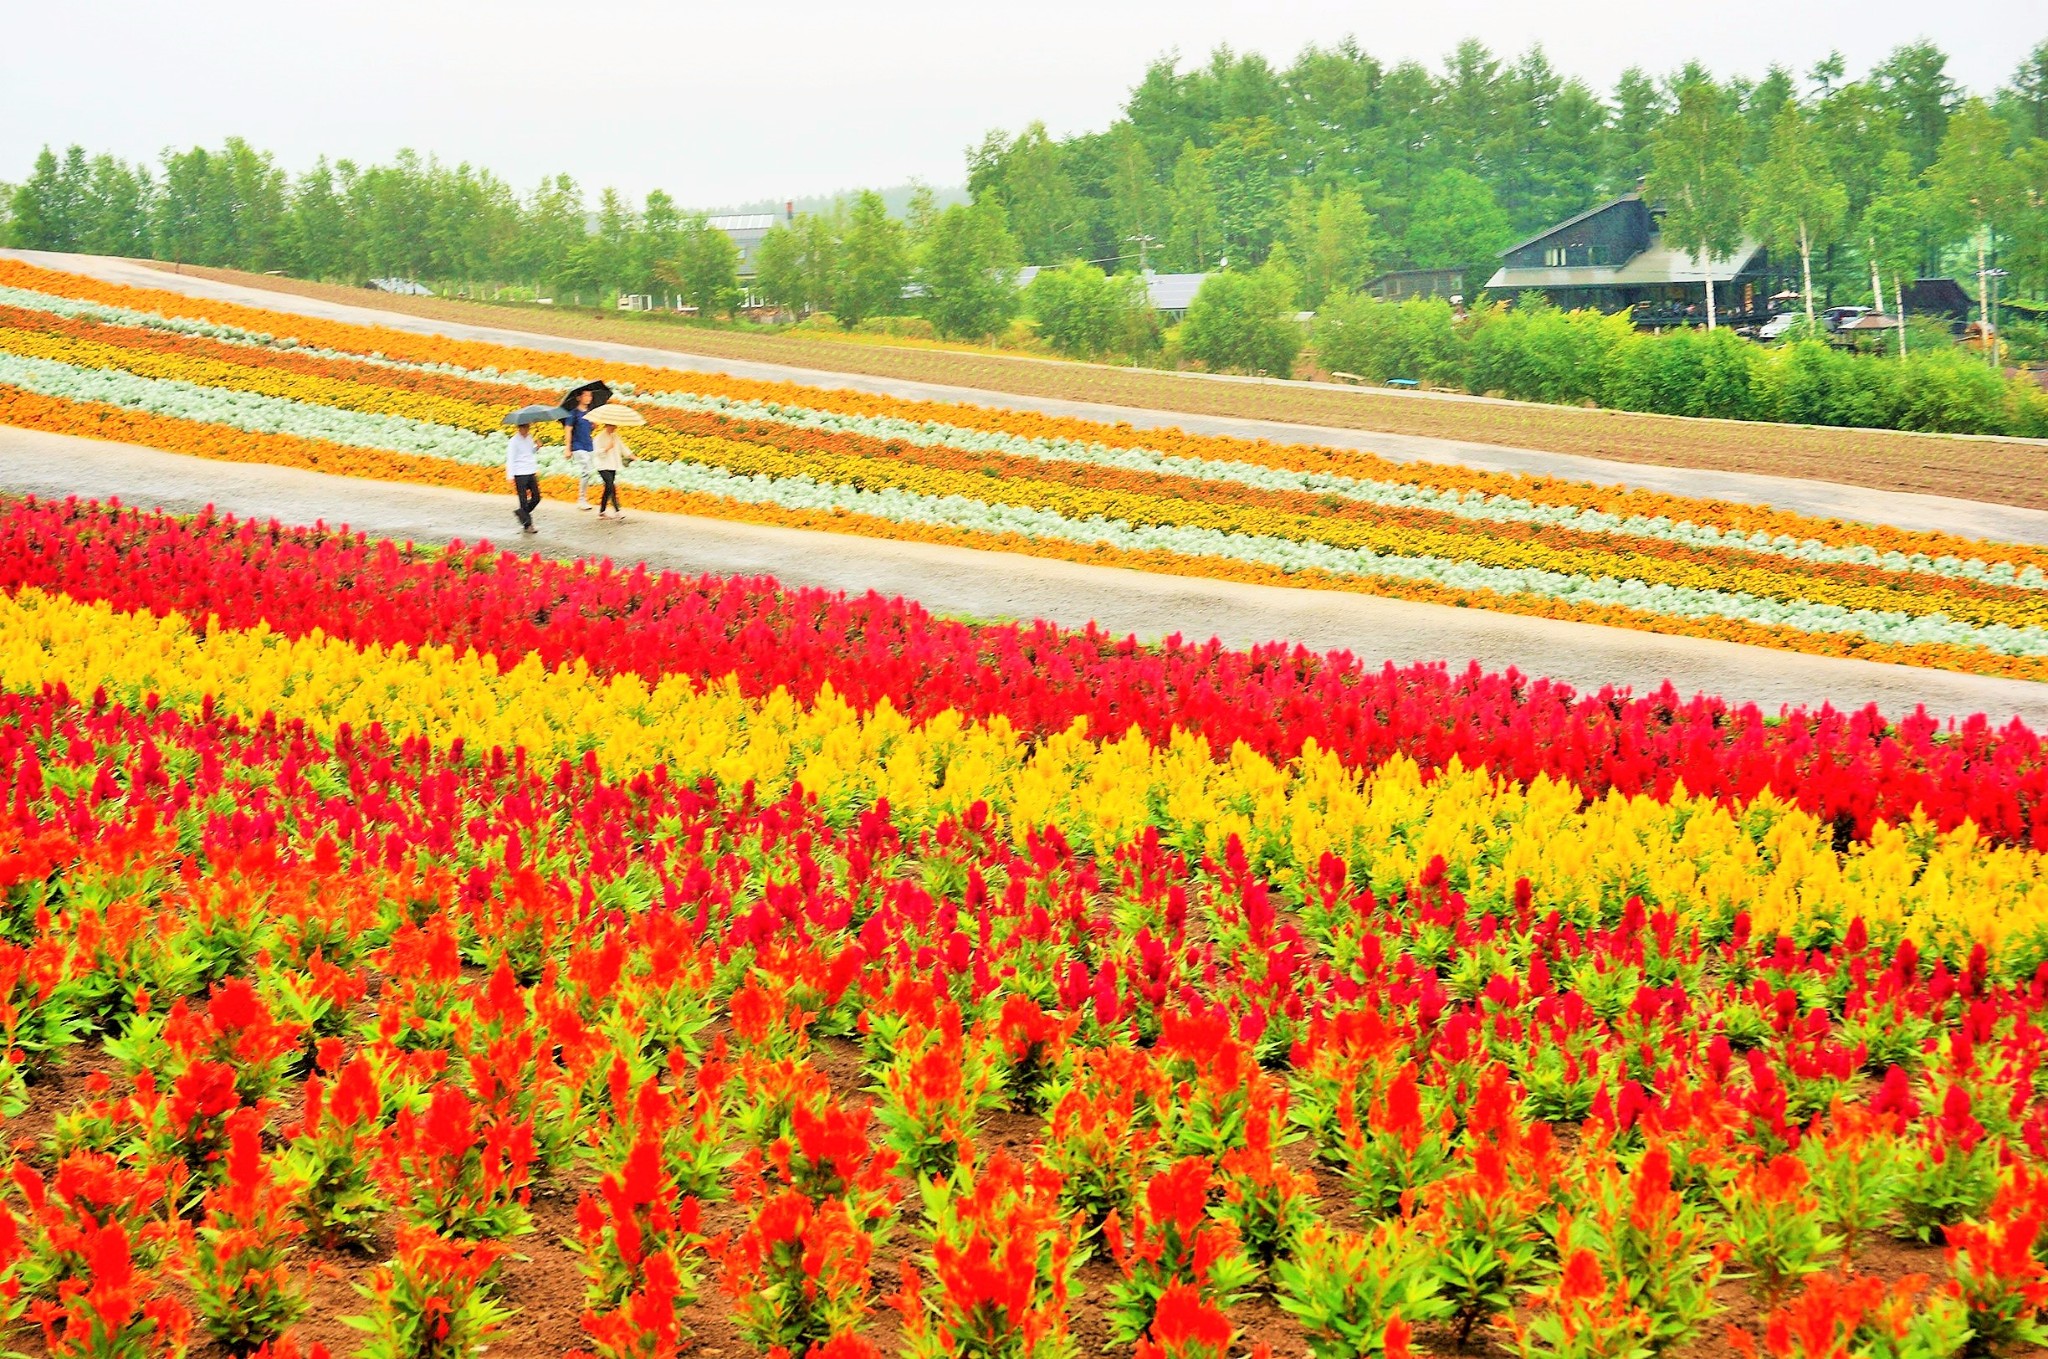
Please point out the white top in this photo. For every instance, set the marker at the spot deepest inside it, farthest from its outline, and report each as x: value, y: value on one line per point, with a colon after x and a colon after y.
x: 522, y: 455
x: 608, y: 450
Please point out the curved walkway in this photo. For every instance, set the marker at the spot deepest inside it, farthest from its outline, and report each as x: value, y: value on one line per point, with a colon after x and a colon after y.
x: 996, y: 585
x: 1973, y: 519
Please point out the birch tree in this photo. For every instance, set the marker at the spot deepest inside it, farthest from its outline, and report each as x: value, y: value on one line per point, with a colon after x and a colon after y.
x: 1975, y: 183
x: 1694, y: 173
x: 1799, y: 200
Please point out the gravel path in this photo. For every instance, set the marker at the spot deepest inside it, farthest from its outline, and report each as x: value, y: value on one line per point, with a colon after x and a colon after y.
x: 1007, y: 585
x: 1969, y: 518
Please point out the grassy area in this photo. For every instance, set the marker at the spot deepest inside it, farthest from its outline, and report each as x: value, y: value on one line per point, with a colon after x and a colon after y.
x: 2012, y: 472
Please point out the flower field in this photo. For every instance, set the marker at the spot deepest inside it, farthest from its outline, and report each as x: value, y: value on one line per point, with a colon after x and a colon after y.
x: 412, y: 951
x: 224, y: 381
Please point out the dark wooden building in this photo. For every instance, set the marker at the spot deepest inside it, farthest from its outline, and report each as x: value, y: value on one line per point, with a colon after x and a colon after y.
x: 1401, y: 284
x: 1614, y: 258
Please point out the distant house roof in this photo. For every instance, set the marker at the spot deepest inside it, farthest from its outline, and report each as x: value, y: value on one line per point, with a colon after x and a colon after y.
x: 1659, y: 264
x: 1166, y: 292
x: 1172, y: 292
x: 748, y: 230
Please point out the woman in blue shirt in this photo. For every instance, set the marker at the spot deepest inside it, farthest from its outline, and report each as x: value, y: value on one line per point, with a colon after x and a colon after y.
x: 578, y: 428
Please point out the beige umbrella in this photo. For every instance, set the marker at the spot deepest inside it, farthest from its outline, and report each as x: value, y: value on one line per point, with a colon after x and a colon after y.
x: 612, y: 413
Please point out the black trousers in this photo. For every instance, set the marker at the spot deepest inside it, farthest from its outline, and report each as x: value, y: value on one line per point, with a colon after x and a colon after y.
x: 610, y: 499
x: 527, y: 487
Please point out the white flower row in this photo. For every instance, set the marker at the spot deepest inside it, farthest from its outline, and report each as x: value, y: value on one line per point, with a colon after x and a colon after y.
x: 242, y: 410
x: 1471, y: 505
x: 247, y: 410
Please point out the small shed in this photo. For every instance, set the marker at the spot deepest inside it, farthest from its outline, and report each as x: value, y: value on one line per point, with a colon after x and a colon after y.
x: 1398, y: 285
x: 1943, y: 297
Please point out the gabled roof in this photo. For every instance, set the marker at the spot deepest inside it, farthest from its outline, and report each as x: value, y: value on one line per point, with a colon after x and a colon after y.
x: 1571, y: 222
x: 742, y: 221
x: 1659, y: 264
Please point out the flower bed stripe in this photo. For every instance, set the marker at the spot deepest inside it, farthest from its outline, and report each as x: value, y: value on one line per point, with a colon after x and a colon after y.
x: 1059, y: 515
x: 873, y: 464
x: 1948, y: 889
x: 1851, y: 770
x: 790, y: 503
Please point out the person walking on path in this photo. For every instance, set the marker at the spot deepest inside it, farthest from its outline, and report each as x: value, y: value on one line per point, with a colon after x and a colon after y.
x: 577, y: 427
x: 522, y: 469
x: 609, y: 455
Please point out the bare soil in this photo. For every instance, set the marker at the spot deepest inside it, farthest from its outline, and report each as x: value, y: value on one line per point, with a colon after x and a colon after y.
x: 542, y: 1284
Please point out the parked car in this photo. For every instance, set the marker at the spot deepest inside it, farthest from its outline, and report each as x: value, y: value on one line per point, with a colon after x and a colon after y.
x: 1837, y: 317
x: 1775, y: 328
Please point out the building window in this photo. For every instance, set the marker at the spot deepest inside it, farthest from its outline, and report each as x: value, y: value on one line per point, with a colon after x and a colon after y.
x: 1554, y: 257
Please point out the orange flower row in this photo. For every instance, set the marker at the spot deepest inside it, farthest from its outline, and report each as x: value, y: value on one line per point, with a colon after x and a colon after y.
x: 94, y: 420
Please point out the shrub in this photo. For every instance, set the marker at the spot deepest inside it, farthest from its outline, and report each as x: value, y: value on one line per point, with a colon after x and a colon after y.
x: 1543, y: 354
x: 1242, y: 323
x: 1380, y: 340
x: 1083, y: 312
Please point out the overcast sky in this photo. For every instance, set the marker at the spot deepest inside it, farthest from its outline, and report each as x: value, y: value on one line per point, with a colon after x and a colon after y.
x: 745, y: 99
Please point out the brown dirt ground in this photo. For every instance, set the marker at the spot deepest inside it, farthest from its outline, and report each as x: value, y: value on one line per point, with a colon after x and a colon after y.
x: 543, y: 1286
x: 2007, y: 472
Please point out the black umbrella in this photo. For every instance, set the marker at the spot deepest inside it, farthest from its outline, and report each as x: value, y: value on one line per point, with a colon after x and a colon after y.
x: 599, y: 394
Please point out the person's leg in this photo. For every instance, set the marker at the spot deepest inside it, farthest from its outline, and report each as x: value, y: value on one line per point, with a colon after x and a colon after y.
x: 583, y: 474
x: 610, y: 499
x: 529, y: 498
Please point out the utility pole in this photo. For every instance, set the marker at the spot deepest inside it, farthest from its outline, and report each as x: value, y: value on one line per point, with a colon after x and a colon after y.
x: 1144, y: 243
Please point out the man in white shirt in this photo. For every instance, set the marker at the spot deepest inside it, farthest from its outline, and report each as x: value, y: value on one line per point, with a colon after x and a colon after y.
x: 522, y: 469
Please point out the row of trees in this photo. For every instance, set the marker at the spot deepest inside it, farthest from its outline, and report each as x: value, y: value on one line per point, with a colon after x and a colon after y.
x: 959, y: 265
x: 414, y: 218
